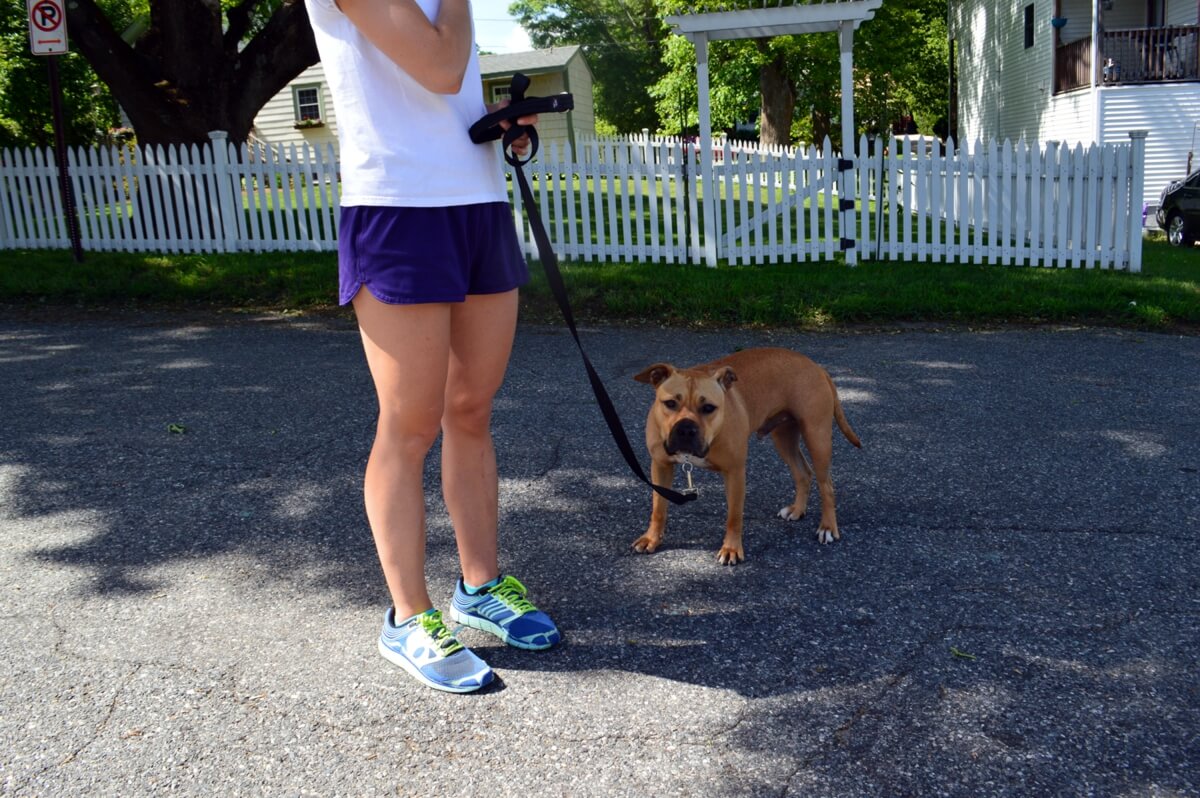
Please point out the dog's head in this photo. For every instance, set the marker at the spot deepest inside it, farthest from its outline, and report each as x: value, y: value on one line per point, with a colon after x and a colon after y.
x: 689, y: 406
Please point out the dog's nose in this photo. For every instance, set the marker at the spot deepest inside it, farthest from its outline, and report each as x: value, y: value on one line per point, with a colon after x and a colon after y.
x: 685, y: 437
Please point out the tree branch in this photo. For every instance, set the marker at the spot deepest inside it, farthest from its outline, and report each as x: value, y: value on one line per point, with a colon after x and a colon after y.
x: 239, y: 18
x: 125, y: 71
x: 283, y: 49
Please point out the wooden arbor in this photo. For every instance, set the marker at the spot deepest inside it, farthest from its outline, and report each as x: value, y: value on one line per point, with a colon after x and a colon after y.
x: 843, y: 16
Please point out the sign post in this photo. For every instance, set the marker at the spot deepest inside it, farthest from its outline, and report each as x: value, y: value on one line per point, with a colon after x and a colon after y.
x: 48, y: 37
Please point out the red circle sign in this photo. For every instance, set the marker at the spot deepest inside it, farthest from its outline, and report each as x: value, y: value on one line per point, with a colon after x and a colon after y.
x: 46, y: 15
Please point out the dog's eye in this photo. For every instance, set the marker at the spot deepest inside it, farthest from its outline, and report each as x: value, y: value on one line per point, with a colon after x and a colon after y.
x: 670, y: 404
x: 708, y: 409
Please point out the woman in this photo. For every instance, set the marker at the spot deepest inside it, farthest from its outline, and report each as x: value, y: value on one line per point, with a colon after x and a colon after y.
x: 428, y: 255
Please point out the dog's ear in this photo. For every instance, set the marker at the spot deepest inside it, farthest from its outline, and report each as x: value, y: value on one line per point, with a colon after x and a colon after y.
x: 726, y: 377
x: 655, y: 374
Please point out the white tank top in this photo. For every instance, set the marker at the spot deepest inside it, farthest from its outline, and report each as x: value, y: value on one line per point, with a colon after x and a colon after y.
x: 400, y: 144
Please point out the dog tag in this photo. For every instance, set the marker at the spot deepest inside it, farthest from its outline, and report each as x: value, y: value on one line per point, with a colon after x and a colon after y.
x: 687, y: 470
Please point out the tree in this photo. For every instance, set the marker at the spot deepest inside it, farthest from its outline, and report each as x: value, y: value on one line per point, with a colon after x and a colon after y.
x: 199, y: 65
x: 89, y: 110
x: 902, y: 66
x: 623, y: 40
x: 732, y: 99
x: 900, y: 70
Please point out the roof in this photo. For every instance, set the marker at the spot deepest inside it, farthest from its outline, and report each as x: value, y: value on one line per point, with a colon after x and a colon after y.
x: 552, y: 59
x: 779, y: 20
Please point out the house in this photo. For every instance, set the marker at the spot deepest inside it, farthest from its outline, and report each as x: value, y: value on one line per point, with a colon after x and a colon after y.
x: 1080, y: 71
x: 300, y: 114
x: 550, y: 71
x: 303, y: 112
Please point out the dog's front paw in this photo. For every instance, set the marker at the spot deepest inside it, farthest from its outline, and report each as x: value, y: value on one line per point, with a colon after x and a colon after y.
x: 792, y: 513
x: 647, y: 544
x: 730, y: 555
x: 825, y: 535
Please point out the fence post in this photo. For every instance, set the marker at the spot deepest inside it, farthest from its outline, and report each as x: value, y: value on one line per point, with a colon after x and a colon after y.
x: 228, y: 200
x: 1137, y: 175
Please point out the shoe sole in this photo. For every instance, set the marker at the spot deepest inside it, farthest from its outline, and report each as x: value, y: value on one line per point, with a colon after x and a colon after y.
x: 484, y: 625
x: 398, y: 659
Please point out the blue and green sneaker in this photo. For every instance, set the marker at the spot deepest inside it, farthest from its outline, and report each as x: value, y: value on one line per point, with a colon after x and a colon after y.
x: 423, y: 646
x: 501, y: 608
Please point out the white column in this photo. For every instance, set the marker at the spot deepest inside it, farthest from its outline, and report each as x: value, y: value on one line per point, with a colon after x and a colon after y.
x: 848, y: 218
x: 1137, y: 188
x: 226, y: 191
x: 709, y: 208
x: 1096, y: 70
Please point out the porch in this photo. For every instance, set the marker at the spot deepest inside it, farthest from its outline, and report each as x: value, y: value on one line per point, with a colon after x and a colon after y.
x: 1135, y: 55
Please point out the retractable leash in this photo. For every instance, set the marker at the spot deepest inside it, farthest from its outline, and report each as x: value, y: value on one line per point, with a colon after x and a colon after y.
x: 489, y: 129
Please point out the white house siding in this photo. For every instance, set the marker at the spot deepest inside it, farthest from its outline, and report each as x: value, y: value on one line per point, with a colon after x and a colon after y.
x: 1002, y: 86
x: 1169, y: 112
x: 1181, y: 12
x: 1069, y: 119
x: 1126, y: 16
x: 276, y: 121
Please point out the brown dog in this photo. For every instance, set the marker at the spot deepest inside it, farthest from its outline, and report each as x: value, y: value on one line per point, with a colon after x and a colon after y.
x: 706, y: 413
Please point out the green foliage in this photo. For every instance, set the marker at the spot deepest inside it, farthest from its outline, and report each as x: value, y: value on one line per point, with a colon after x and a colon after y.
x: 622, y: 41
x: 1165, y: 296
x: 902, y: 66
x: 26, y: 118
x: 900, y: 70
x: 734, y: 97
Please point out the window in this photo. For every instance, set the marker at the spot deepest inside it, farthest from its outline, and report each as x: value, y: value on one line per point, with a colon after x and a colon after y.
x: 501, y: 93
x: 1028, y: 26
x: 307, y: 101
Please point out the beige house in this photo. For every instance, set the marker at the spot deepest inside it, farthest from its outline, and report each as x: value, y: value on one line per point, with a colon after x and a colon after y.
x: 303, y: 112
x: 300, y: 114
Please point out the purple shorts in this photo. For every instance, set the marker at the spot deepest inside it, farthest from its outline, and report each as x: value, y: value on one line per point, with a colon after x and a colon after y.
x: 408, y: 256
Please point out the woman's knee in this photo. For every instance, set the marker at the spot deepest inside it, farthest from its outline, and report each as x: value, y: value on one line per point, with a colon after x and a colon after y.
x: 471, y: 412
x: 406, y: 434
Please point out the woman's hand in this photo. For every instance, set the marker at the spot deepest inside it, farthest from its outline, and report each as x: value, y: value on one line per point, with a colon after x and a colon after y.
x: 521, y: 145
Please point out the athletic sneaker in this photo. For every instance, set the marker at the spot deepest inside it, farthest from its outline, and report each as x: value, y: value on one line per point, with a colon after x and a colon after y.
x: 502, y: 609
x: 424, y: 647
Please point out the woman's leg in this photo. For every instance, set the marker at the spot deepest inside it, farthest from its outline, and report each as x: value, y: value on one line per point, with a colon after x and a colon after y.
x: 481, y: 337
x: 407, y: 348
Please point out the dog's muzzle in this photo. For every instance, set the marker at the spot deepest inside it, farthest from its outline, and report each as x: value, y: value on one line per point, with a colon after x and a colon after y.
x: 685, y: 438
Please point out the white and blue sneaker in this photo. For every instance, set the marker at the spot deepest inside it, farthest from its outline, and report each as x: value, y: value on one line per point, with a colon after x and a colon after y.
x: 500, y: 607
x: 423, y: 646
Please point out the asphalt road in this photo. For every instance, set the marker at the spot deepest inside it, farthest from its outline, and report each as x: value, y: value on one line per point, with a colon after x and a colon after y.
x: 1013, y: 609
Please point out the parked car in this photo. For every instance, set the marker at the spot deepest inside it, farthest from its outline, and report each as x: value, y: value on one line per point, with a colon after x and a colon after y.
x: 1179, y: 211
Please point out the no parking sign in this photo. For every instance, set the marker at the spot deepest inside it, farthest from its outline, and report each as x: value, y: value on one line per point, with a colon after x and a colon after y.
x: 48, y: 36
x: 47, y: 27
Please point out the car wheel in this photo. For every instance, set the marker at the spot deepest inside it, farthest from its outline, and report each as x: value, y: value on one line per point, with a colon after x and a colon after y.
x: 1177, y: 231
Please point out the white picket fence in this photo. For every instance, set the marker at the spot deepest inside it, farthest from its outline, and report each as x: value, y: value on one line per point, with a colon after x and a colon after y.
x: 630, y: 199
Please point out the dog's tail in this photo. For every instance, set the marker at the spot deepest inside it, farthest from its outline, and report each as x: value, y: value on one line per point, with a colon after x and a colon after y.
x: 840, y: 415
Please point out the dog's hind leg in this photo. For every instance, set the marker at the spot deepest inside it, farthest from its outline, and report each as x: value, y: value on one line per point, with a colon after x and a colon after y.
x: 786, y: 438
x: 818, y: 439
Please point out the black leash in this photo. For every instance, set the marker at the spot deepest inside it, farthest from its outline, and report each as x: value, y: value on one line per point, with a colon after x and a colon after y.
x: 488, y: 129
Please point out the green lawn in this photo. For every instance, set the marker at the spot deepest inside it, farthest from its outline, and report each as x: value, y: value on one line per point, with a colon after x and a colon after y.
x: 1165, y: 296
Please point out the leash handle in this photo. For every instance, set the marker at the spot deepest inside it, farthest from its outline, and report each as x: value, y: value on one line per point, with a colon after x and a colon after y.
x: 489, y: 129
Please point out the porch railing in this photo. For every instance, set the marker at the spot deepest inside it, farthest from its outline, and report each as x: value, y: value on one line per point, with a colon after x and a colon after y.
x: 1140, y: 55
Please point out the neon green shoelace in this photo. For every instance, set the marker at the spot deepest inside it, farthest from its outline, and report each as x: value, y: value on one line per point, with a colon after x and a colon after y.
x: 512, y: 593
x: 446, y: 643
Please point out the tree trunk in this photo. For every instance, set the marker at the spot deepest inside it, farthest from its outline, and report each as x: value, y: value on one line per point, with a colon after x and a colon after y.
x: 189, y: 73
x: 822, y: 125
x: 778, y: 94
